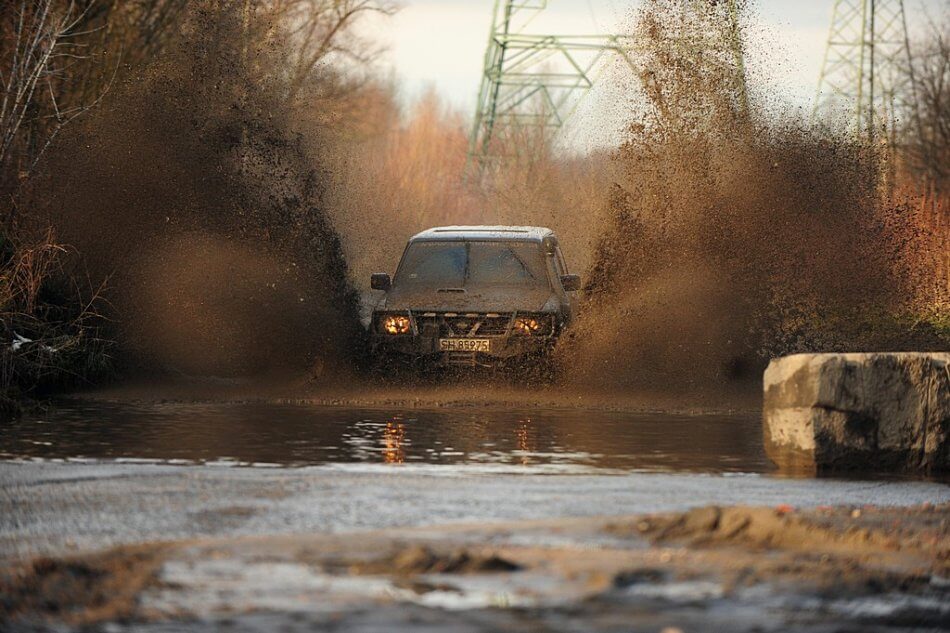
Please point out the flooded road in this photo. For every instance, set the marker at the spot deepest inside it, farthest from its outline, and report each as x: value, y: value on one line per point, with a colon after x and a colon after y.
x: 95, y: 473
x: 306, y: 435
x: 253, y: 516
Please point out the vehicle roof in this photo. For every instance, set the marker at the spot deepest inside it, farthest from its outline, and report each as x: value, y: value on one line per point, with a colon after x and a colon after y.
x: 488, y: 233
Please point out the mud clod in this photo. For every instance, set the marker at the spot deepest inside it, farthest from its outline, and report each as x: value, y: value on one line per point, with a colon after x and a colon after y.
x: 638, y: 576
x: 764, y: 528
x: 422, y: 560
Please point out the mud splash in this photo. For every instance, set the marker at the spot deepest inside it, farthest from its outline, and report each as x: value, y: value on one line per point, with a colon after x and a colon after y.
x: 191, y: 193
x: 737, y: 233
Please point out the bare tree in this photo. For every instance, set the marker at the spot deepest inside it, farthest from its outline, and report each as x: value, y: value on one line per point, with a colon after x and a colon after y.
x: 124, y: 35
x: 39, y: 43
x: 58, y: 59
x: 929, y: 145
x: 321, y: 31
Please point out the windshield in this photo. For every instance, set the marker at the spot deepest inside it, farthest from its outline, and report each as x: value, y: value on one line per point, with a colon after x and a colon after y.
x: 466, y: 264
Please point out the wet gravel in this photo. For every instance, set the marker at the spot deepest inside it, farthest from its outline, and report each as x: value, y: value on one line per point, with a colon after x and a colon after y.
x: 48, y: 508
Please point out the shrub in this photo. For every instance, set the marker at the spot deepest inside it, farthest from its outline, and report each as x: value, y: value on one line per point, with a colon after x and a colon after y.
x: 51, y: 323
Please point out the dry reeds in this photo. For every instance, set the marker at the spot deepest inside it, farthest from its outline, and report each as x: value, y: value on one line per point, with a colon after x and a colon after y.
x: 51, y: 325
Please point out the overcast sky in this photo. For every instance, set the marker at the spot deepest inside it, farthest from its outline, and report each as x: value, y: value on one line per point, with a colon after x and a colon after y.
x: 441, y: 43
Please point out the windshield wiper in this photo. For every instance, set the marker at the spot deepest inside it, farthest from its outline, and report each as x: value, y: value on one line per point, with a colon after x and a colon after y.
x: 521, y: 261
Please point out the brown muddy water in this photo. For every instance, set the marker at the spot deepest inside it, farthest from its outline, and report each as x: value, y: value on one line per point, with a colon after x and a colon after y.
x: 267, y: 434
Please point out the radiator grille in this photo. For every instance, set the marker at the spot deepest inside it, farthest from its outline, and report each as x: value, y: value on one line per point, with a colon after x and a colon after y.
x: 463, y: 325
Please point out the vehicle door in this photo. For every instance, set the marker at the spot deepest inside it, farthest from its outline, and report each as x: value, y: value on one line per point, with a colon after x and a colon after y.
x: 569, y: 299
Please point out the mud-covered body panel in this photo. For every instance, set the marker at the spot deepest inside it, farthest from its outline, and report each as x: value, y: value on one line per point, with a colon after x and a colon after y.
x: 482, y: 300
x: 485, y: 323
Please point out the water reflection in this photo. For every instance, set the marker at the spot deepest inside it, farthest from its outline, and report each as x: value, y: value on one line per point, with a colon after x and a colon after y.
x: 525, y: 445
x: 304, y: 435
x: 394, y: 436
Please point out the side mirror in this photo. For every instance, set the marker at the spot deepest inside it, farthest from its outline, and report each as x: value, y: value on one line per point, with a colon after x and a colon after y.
x: 571, y: 283
x: 380, y: 281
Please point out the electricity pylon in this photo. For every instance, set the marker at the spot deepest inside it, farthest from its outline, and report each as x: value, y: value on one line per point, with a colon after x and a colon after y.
x: 533, y: 80
x: 867, y: 72
x: 537, y: 81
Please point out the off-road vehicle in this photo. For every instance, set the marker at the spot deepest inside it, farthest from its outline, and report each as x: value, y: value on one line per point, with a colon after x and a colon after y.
x: 474, y: 296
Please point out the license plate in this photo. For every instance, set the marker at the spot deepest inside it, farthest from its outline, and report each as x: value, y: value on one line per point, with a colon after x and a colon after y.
x: 465, y: 344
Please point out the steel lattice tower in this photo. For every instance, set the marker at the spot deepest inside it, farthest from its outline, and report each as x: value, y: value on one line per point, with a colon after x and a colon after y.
x: 867, y: 72
x: 532, y: 80
x: 538, y: 80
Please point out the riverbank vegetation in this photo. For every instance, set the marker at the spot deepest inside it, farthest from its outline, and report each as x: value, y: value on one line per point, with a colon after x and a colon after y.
x: 163, y: 177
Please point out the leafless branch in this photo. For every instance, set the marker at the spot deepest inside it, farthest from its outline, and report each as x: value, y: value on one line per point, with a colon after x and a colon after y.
x: 928, y: 149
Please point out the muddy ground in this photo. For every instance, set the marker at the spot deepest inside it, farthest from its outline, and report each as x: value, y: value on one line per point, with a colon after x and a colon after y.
x: 577, y: 520
x: 708, y: 569
x: 105, y: 546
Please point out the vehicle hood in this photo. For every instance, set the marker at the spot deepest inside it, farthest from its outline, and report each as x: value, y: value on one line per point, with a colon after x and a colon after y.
x: 472, y: 300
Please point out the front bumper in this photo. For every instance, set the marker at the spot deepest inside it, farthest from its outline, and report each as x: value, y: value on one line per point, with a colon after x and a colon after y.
x: 423, y: 342
x: 501, y: 347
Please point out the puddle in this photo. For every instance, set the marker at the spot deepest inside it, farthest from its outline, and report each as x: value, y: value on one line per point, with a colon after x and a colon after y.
x: 211, y: 587
x: 281, y: 435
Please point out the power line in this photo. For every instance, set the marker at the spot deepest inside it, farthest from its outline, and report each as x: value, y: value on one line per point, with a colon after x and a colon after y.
x: 535, y: 81
x: 867, y: 73
x: 532, y: 80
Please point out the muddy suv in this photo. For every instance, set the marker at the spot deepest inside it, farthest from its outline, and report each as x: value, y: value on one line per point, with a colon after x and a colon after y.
x: 474, y: 296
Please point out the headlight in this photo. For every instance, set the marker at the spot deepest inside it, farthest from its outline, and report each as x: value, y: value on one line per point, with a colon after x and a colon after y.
x: 528, y: 326
x: 396, y: 324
